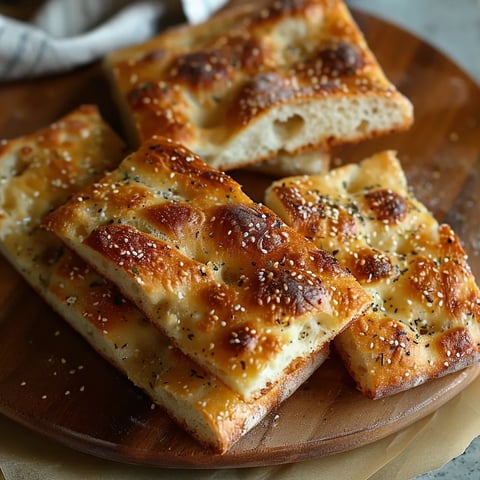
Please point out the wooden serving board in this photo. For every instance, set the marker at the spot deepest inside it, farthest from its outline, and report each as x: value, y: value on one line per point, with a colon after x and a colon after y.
x: 54, y: 383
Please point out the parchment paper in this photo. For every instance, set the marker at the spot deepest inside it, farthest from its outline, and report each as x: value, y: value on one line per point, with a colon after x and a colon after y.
x: 424, y: 446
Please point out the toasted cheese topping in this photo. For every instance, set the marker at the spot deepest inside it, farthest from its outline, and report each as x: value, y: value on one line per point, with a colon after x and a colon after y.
x: 253, y: 82
x: 231, y: 285
x: 424, y: 322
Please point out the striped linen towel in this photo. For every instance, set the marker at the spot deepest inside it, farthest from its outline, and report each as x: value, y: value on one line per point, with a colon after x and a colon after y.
x: 65, y: 34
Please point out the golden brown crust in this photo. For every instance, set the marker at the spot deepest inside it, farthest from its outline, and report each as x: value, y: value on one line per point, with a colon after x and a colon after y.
x: 228, y: 282
x: 61, y: 157
x: 79, y: 148
x: 41, y: 170
x: 215, y: 415
x: 425, y: 318
x: 257, y: 80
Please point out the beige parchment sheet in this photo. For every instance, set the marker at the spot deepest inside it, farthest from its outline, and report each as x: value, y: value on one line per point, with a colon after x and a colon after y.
x: 424, y: 446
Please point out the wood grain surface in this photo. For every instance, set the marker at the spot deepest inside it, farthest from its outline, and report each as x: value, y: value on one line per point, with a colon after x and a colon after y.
x: 54, y: 383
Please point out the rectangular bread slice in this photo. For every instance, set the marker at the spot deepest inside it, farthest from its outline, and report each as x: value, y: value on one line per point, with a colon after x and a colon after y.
x: 425, y: 320
x: 199, y: 402
x: 257, y: 80
x: 230, y: 284
x: 38, y: 173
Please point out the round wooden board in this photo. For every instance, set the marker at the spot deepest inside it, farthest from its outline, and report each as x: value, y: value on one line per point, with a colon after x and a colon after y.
x: 54, y: 383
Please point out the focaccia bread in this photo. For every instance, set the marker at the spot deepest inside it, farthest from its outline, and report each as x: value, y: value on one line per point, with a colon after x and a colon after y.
x: 232, y: 286
x: 258, y: 80
x: 199, y: 402
x: 38, y: 173
x: 59, y: 159
x: 425, y: 318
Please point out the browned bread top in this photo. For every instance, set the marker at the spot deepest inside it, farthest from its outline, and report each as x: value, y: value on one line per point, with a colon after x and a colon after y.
x: 257, y: 80
x: 230, y: 284
x: 45, y: 167
x: 425, y: 320
x: 38, y: 172
x: 198, y: 401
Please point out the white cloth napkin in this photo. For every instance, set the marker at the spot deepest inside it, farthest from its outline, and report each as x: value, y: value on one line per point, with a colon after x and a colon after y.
x: 65, y: 34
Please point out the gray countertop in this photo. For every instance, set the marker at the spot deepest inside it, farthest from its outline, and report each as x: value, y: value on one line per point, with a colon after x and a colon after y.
x: 451, y: 26
x: 454, y: 28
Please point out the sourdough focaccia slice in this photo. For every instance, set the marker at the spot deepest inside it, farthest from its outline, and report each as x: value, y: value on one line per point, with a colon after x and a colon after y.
x: 38, y: 173
x: 425, y: 318
x: 266, y: 78
x: 200, y: 403
x: 232, y: 286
